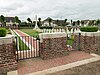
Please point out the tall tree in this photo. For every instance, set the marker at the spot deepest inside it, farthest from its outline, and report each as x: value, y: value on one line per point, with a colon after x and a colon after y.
x: 65, y: 20
x: 2, y: 20
x: 57, y: 22
x: 98, y: 22
x: 71, y: 21
x: 16, y: 19
x: 78, y: 22
x: 39, y: 19
x: 82, y: 22
x: 29, y: 20
x: 49, y: 20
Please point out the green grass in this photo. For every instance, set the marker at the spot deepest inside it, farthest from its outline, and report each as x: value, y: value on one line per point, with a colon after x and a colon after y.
x: 70, y: 42
x: 31, y: 32
x: 8, y: 31
x: 22, y: 45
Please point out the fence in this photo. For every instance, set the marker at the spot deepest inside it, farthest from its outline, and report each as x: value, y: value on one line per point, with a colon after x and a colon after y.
x: 71, y: 41
x: 88, y: 42
x: 27, y: 47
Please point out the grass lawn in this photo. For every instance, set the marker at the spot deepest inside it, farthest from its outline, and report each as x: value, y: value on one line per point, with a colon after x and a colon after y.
x: 31, y: 32
x: 70, y: 42
x: 22, y: 45
x: 35, y: 34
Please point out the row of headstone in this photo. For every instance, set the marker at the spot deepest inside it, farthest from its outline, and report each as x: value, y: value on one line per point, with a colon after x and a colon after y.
x: 73, y: 30
x: 52, y: 30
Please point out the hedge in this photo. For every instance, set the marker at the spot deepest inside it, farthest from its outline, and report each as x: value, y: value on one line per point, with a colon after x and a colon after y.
x: 89, y: 29
x: 3, y: 32
x: 46, y: 27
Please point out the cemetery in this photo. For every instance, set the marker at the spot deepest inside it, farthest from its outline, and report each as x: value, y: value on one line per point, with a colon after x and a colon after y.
x: 46, y: 44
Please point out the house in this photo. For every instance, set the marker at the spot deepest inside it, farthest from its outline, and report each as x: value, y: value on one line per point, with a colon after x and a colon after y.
x: 53, y: 23
x: 85, y: 22
x: 10, y: 22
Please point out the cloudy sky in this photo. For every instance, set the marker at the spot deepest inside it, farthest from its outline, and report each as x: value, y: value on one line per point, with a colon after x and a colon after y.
x: 57, y: 9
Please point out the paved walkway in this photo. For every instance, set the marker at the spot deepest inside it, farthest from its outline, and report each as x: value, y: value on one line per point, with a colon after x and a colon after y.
x: 32, y: 43
x: 37, y: 64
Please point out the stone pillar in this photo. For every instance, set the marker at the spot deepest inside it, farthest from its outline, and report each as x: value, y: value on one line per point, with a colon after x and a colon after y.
x: 53, y: 45
x: 7, y: 54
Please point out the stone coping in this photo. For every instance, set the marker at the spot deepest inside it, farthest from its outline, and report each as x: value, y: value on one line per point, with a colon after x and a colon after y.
x: 52, y: 35
x: 88, y: 33
x: 7, y: 36
x: 7, y: 39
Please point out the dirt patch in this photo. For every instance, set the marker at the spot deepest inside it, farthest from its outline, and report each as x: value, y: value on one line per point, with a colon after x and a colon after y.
x: 88, y: 69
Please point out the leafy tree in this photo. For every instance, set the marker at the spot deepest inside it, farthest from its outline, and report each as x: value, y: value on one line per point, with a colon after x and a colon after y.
x: 29, y: 20
x: 57, y: 21
x: 2, y: 19
x: 78, y: 22
x: 71, y: 21
x: 39, y: 23
x: 98, y: 22
x: 19, y: 21
x: 82, y: 22
x: 16, y: 19
x: 49, y: 20
x: 65, y: 20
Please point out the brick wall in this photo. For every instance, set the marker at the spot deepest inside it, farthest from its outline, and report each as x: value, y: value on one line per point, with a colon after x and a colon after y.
x: 53, y: 47
x: 87, y: 43
x: 7, y: 57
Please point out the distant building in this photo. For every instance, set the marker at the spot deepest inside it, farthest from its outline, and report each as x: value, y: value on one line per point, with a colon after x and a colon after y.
x: 10, y: 22
x: 53, y: 23
x: 85, y: 22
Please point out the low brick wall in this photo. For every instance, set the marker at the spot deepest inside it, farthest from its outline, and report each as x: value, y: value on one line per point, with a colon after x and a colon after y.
x: 52, y: 47
x: 7, y: 55
x: 88, y: 43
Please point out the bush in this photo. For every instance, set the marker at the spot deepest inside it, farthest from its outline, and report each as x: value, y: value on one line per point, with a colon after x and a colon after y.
x: 46, y: 27
x: 89, y: 29
x: 3, y: 32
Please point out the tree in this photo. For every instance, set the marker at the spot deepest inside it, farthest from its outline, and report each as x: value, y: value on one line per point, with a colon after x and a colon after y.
x: 65, y: 20
x: 82, y: 22
x: 19, y: 21
x: 57, y: 21
x: 71, y: 21
x: 73, y: 24
x: 2, y: 20
x: 78, y: 22
x: 98, y: 22
x: 49, y: 20
x: 39, y: 23
x: 16, y: 19
x: 29, y: 20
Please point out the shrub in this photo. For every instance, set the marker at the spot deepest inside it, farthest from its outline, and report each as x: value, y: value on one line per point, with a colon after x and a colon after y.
x: 89, y: 29
x: 3, y: 32
x: 46, y: 27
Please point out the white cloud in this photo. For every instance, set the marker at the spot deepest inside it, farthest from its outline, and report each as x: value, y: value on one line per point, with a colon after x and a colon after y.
x: 71, y: 9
